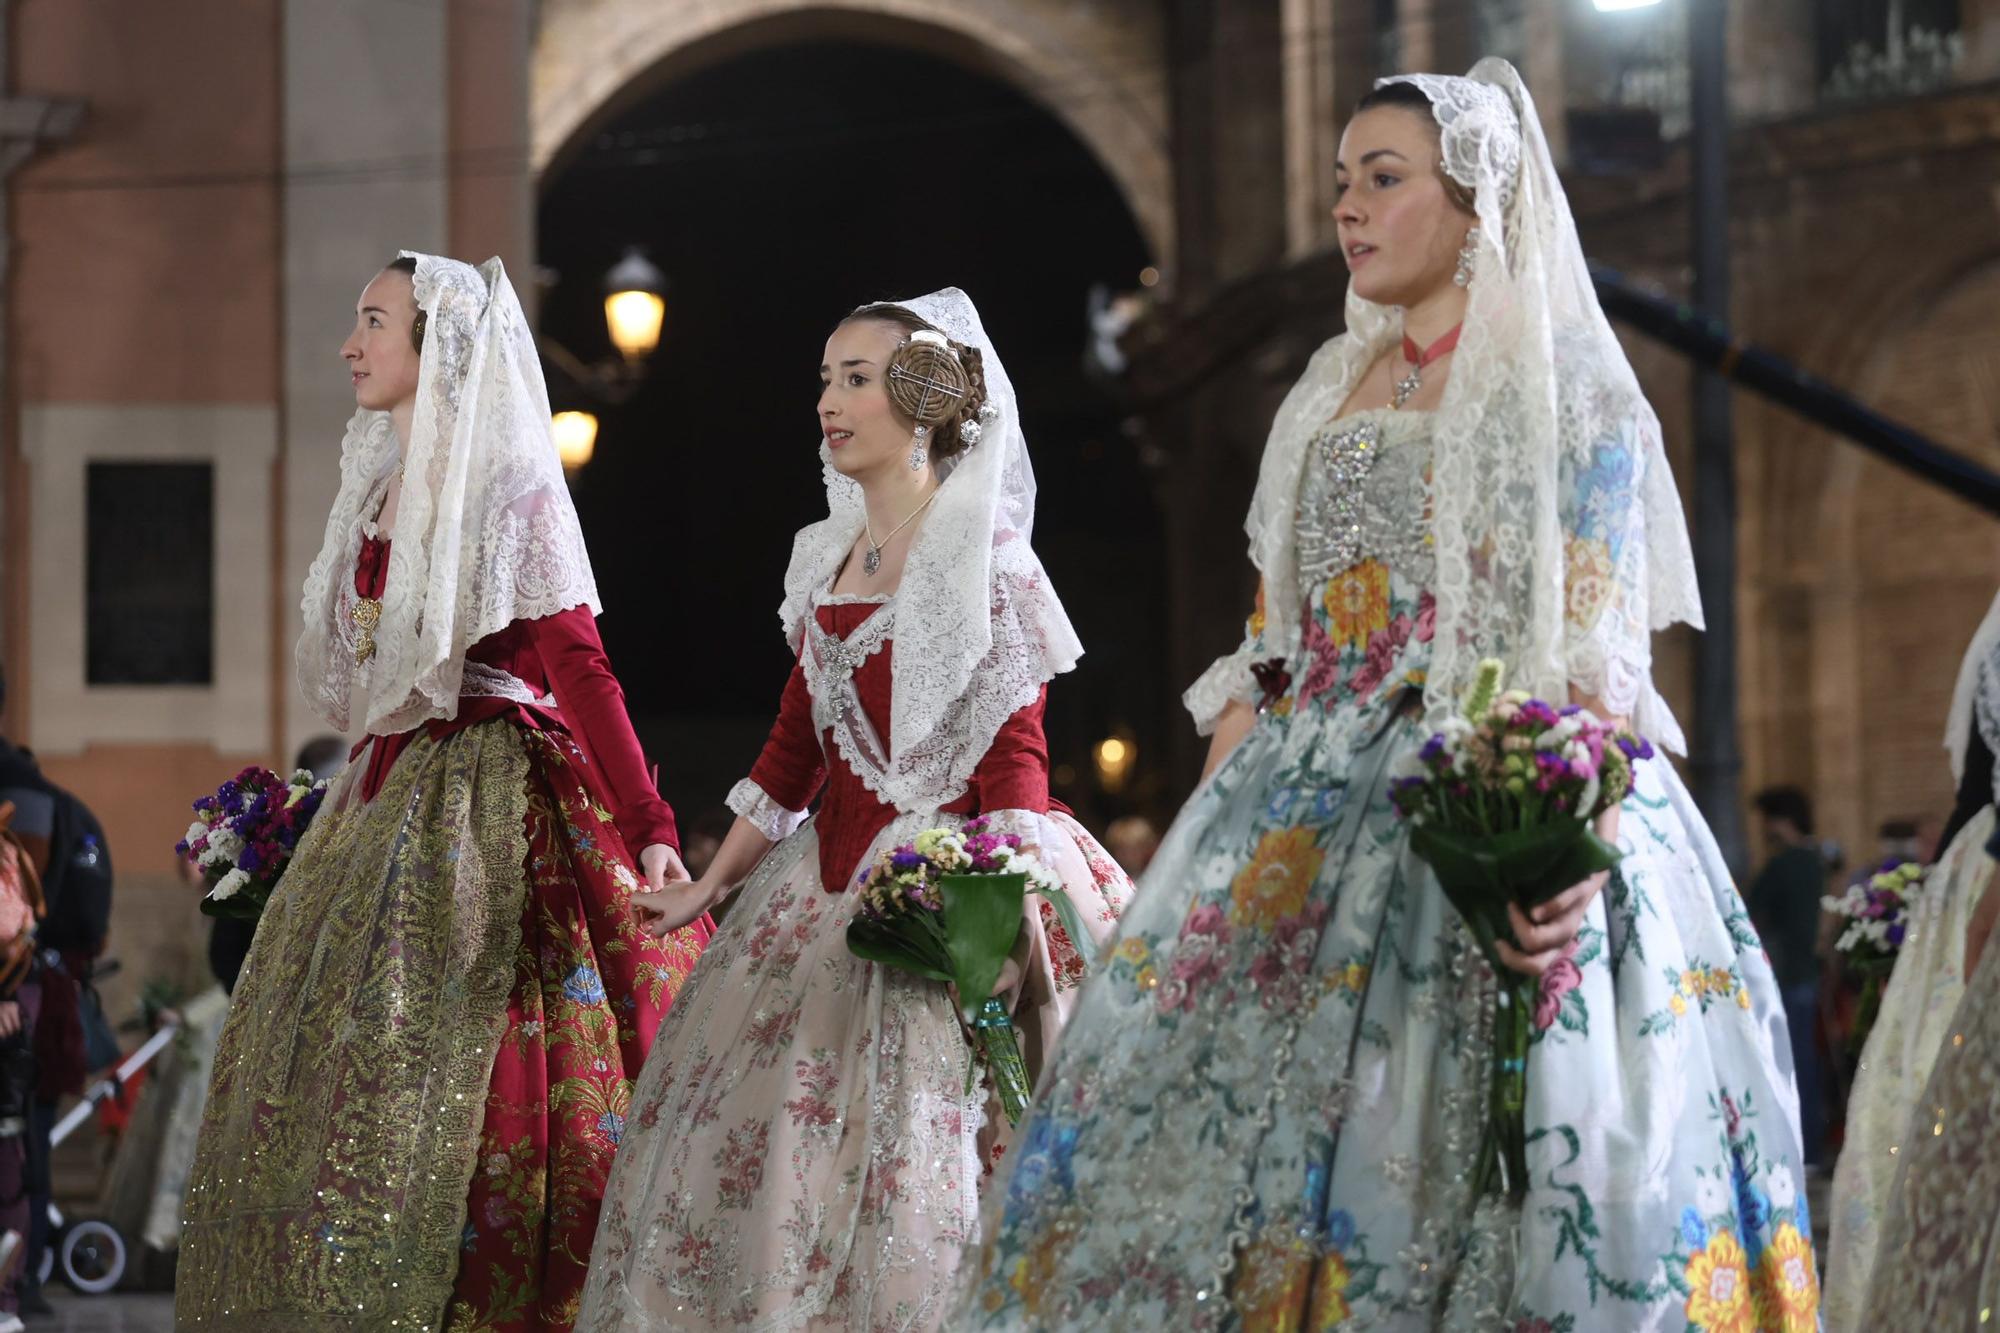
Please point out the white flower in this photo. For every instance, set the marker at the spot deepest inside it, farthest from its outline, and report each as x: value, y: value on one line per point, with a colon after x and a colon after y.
x: 223, y: 846
x: 228, y: 885
x: 1784, y: 1190
x: 1711, y: 1196
x: 196, y: 831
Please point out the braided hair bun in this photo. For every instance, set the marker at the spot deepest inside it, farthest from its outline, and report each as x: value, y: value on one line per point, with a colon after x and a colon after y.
x: 932, y: 380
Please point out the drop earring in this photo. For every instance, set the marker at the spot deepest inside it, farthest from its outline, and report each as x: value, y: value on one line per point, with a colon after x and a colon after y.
x: 1468, y: 259
x: 920, y: 451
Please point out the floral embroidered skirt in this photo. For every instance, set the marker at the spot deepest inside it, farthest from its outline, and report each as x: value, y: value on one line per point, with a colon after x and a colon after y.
x: 1265, y: 1111
x: 427, y: 1065
x: 805, y: 1150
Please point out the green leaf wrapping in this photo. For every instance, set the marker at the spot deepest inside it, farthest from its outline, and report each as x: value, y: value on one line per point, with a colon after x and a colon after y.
x: 1481, y: 873
x: 912, y: 941
x: 982, y: 916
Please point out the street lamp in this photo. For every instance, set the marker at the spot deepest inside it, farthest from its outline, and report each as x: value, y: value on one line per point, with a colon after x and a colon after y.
x: 1114, y: 756
x: 576, y: 439
x: 635, y: 305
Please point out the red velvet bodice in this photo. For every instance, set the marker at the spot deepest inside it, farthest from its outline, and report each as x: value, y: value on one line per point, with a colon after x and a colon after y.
x: 794, y: 766
x: 560, y: 654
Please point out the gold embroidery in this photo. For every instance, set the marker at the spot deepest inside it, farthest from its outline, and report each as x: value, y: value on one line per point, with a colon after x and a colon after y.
x: 343, y: 1123
x: 367, y: 615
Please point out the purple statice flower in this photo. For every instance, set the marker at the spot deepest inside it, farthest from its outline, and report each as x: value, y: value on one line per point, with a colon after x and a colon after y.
x: 906, y: 859
x: 1538, y: 714
x: 1896, y: 933
x: 1635, y: 747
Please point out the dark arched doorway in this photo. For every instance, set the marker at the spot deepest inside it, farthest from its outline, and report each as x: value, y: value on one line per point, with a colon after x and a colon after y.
x: 777, y: 190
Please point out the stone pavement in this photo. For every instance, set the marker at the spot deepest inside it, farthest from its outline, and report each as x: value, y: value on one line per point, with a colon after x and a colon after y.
x: 147, y: 1313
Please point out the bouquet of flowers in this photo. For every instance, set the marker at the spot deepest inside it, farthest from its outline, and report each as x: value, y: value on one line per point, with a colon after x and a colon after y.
x: 947, y: 905
x: 243, y: 836
x: 1877, y: 911
x: 1500, y: 803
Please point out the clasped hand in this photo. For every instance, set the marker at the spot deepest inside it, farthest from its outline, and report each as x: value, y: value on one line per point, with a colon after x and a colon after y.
x: 664, y: 906
x: 1544, y: 933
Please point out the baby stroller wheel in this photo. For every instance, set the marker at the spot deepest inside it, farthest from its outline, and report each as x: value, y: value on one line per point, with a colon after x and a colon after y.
x: 93, y: 1257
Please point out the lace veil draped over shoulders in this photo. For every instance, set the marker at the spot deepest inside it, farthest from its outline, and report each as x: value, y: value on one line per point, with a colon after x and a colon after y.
x: 978, y: 626
x: 485, y: 531
x: 1540, y: 397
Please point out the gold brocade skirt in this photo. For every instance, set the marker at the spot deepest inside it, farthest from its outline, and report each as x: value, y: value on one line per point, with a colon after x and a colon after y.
x: 343, y: 1123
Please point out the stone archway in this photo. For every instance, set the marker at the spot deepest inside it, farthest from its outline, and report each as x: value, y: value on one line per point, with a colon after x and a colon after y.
x: 1099, y: 68
x: 1877, y: 579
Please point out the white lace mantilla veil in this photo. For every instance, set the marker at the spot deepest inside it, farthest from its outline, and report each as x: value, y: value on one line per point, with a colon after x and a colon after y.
x: 1538, y: 381
x: 1975, y: 698
x: 979, y: 629
x: 485, y: 530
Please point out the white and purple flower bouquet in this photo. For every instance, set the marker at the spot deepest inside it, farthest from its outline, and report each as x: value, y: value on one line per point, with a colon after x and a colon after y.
x: 1501, y: 803
x: 1876, y: 909
x: 947, y: 905
x: 244, y: 835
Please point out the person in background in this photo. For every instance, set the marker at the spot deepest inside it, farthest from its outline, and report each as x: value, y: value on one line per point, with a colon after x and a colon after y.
x: 66, y: 846
x: 20, y: 1000
x: 229, y: 938
x: 1133, y: 840
x: 1784, y: 902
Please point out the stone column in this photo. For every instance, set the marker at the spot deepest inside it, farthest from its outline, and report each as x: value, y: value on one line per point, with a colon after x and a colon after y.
x: 367, y: 116
x: 1228, y: 110
x: 1773, y: 67
x: 1979, y: 22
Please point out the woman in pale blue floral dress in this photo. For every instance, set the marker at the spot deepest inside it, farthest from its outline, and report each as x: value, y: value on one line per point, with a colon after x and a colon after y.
x: 1267, y: 1108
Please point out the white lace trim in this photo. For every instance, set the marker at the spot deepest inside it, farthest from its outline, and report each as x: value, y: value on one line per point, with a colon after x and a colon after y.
x: 773, y: 820
x: 486, y: 531
x: 1228, y: 681
x: 1026, y: 825
x: 1539, y: 385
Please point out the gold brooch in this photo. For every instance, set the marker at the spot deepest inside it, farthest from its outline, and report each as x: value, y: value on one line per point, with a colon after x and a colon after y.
x: 367, y: 615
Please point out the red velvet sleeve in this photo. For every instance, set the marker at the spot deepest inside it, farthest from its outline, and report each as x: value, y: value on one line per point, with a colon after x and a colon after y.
x: 593, y: 707
x: 792, y: 768
x: 1014, y: 775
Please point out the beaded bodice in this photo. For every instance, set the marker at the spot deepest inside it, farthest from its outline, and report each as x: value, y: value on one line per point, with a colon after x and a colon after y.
x: 1366, y: 496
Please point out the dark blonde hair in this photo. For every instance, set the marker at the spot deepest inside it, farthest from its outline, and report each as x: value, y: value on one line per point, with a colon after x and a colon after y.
x: 945, y: 439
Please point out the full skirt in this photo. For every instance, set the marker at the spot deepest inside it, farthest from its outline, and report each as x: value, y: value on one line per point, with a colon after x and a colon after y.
x: 1918, y: 1004
x: 807, y: 1148
x: 427, y: 1065
x: 1267, y: 1110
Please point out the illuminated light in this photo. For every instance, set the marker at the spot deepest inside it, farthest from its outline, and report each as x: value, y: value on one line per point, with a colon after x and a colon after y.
x: 1149, y: 276
x: 576, y: 438
x: 1614, y: 6
x: 1114, y: 756
x: 635, y: 305
x: 635, y: 319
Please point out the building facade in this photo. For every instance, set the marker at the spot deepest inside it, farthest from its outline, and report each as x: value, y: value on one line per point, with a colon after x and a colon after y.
x: 196, y: 192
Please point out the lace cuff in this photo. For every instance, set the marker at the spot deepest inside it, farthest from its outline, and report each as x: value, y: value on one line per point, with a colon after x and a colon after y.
x: 775, y: 822
x: 1023, y: 824
x: 1229, y: 681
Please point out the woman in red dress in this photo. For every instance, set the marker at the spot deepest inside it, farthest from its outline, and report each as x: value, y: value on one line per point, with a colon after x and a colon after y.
x: 429, y: 1058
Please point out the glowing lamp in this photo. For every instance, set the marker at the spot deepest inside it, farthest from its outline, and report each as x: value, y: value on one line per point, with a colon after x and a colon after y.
x: 1114, y: 756
x: 635, y: 306
x: 576, y: 438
